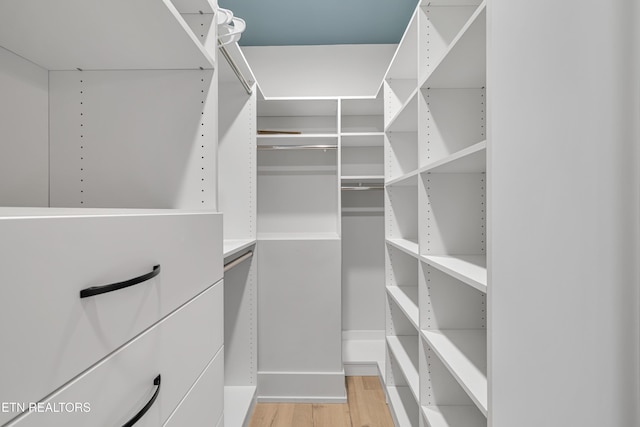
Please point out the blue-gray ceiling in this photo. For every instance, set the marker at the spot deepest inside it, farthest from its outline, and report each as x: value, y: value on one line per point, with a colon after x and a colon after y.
x: 317, y: 22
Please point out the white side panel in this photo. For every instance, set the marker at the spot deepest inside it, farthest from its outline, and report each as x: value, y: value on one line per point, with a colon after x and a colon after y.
x: 563, y: 196
x: 314, y: 71
x: 133, y: 139
x: 49, y: 333
x: 363, y: 271
x: 299, y: 308
x: 118, y: 387
x: 24, y: 129
x: 240, y: 323
x: 237, y: 160
x: 205, y: 402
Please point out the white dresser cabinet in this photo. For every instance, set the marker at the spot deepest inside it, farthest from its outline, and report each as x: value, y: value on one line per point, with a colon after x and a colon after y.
x: 46, y: 262
x: 118, y: 387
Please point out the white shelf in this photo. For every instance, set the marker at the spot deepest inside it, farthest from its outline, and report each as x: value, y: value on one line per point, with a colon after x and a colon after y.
x: 472, y: 159
x: 360, y: 178
x: 407, y: 246
x: 362, y: 210
x: 407, y: 179
x: 43, y: 212
x: 453, y: 416
x: 298, y: 236
x: 470, y: 269
x: 297, y: 136
x: 402, y: 348
x: 398, y: 397
x: 464, y: 353
x: 464, y: 63
x: 231, y: 247
x: 238, y: 401
x: 406, y: 119
x: 406, y: 297
x: 72, y: 34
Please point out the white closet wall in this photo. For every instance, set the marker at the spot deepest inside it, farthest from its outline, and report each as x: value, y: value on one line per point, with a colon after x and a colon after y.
x: 564, y: 213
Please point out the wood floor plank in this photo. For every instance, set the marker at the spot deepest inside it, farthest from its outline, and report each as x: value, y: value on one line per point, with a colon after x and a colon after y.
x: 331, y: 414
x: 366, y: 407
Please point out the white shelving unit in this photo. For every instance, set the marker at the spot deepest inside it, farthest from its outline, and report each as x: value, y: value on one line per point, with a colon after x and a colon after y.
x: 435, y: 165
x: 299, y: 249
x: 362, y: 180
x: 111, y: 119
x: 237, y: 198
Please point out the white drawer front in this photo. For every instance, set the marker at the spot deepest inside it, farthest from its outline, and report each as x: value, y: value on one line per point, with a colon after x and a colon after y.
x: 204, y: 404
x: 49, y: 334
x: 179, y: 349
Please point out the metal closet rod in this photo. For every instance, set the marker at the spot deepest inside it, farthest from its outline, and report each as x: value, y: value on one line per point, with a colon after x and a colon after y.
x: 228, y: 266
x: 297, y: 147
x: 362, y: 188
x: 235, y: 68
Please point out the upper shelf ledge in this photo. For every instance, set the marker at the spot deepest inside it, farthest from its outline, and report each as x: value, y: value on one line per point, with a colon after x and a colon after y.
x: 101, y: 35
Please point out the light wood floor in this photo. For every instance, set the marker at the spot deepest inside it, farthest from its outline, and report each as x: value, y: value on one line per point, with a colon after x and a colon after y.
x: 366, y: 407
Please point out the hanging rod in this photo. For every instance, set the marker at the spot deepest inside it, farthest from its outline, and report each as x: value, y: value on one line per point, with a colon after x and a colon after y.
x: 235, y: 68
x: 297, y: 147
x: 228, y: 266
x: 362, y: 188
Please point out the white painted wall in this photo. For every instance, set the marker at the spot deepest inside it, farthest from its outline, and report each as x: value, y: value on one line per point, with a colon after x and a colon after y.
x: 334, y: 70
x: 563, y: 196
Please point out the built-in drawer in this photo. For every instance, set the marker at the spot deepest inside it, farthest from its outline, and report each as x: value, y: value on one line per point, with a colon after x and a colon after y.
x: 112, y: 393
x: 49, y: 333
x: 204, y: 404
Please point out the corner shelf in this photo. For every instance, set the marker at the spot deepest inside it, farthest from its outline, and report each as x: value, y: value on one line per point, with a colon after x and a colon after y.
x: 453, y: 416
x: 407, y: 246
x: 404, y: 180
x: 464, y: 63
x: 469, y: 160
x: 402, y: 348
x: 405, y: 119
x: 464, y: 354
x: 470, y: 269
x: 66, y: 34
x: 406, y: 297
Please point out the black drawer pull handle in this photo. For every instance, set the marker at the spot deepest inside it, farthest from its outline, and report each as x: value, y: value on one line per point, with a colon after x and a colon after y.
x: 144, y: 410
x: 97, y: 290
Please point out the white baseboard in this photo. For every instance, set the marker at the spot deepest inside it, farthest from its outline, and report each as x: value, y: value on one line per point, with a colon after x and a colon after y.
x: 302, y: 387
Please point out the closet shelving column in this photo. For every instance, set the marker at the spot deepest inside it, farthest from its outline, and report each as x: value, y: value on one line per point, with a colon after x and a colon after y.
x: 401, y: 230
x: 299, y: 250
x: 452, y: 213
x: 237, y: 199
x: 125, y: 160
x: 362, y: 179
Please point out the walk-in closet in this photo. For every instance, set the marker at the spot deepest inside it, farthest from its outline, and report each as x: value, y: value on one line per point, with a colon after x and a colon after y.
x: 232, y: 213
